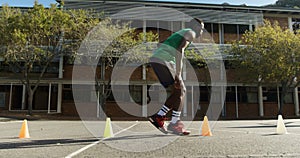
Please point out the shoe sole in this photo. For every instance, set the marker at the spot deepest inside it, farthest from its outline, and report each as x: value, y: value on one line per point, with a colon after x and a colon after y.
x: 156, y: 126
x: 180, y: 134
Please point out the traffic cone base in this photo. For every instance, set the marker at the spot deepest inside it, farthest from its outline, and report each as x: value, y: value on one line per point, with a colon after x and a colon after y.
x: 108, y: 132
x: 24, y: 132
x: 281, y: 129
x: 205, y: 127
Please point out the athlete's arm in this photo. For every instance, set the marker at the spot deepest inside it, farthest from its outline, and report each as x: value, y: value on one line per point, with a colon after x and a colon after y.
x: 188, y: 37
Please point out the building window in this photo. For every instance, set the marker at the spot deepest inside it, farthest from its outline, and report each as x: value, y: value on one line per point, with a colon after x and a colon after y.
x: 296, y: 24
x: 289, y: 97
x: 270, y: 94
x: 84, y: 93
x: 121, y: 94
x: 230, y: 33
x: 204, y: 93
x: 252, y: 93
x: 136, y: 93
x: 247, y: 94
x: 67, y: 94
x: 2, y: 99
x: 242, y: 30
x: 230, y: 94
x: 213, y: 29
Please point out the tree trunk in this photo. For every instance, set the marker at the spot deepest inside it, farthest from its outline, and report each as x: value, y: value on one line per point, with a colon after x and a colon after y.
x: 101, y: 88
x: 102, y: 101
x: 30, y: 100
x: 282, y: 96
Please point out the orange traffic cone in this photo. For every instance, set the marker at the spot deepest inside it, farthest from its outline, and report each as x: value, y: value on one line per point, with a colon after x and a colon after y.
x: 24, y: 133
x: 205, y: 127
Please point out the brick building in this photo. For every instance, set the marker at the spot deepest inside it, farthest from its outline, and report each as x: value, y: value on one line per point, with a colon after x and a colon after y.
x: 223, y: 24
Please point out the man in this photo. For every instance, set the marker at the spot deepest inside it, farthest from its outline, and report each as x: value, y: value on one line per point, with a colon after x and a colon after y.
x: 167, y: 65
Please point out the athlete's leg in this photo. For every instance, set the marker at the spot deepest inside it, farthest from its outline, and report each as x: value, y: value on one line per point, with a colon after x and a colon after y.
x: 166, y: 78
x: 165, y: 74
x: 176, y: 99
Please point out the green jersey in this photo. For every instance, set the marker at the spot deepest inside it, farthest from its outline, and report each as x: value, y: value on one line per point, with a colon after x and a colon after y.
x: 168, y: 49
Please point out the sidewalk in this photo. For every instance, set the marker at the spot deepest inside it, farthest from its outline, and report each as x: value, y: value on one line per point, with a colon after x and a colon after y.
x: 230, y: 139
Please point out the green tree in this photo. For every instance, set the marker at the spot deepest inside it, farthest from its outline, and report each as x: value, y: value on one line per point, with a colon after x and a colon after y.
x: 286, y: 4
x: 35, y: 37
x: 269, y: 55
x: 110, y: 42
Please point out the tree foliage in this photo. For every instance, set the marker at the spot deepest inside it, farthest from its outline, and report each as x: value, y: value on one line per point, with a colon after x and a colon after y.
x: 286, y: 4
x: 35, y: 37
x: 269, y: 55
x: 111, y: 42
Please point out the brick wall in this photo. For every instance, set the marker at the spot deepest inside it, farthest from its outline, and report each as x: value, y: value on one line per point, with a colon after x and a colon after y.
x: 248, y: 110
x: 84, y: 72
x: 230, y: 110
x: 271, y: 110
x: 69, y: 109
x: 282, y: 21
x: 244, y: 110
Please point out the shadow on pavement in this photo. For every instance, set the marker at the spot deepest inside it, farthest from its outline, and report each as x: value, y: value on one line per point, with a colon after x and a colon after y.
x: 265, y: 125
x: 271, y: 134
x: 27, y: 143
x: 132, y: 137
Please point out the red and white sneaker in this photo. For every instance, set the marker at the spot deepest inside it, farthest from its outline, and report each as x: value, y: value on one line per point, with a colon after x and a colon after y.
x: 159, y: 122
x: 178, y: 128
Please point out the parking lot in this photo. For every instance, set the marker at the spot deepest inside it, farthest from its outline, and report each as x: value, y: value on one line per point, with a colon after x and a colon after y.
x: 242, y: 138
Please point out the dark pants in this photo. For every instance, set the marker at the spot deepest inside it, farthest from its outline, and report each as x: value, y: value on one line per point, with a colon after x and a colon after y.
x: 165, y: 72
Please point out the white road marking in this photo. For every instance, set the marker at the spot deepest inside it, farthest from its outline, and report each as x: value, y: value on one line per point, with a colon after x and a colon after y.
x: 97, y: 142
x: 5, y: 122
x: 83, y: 149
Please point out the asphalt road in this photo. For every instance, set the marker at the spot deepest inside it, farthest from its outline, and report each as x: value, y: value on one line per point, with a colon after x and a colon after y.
x: 255, y: 138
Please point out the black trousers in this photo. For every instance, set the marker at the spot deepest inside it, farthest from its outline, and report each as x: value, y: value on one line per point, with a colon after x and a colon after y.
x: 165, y: 73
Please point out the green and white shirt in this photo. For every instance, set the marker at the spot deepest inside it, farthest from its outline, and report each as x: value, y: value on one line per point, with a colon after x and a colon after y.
x: 168, y: 49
